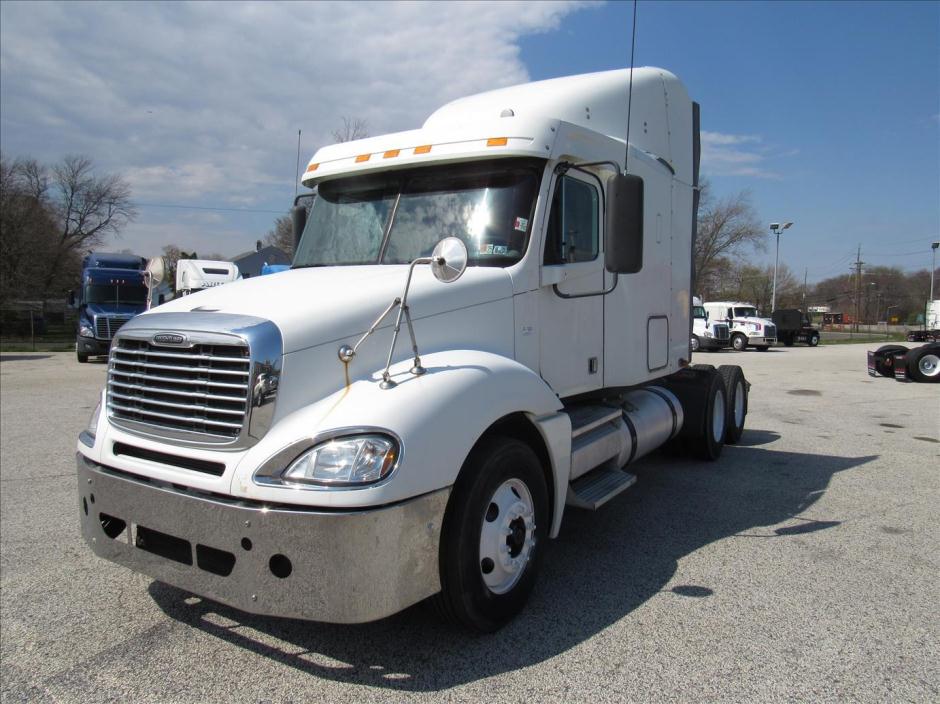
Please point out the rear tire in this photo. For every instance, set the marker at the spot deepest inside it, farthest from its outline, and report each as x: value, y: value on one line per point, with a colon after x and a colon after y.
x: 82, y: 358
x: 739, y: 342
x: 788, y: 340
x: 694, y: 344
x: 813, y: 339
x: 923, y: 364
x: 704, y: 404
x: 500, y: 500
x: 885, y: 365
x: 737, y: 387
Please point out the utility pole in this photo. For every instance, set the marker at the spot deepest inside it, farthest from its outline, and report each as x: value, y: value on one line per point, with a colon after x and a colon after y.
x: 858, y: 283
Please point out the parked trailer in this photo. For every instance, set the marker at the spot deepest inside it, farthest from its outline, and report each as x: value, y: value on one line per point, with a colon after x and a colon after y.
x: 794, y: 326
x: 318, y: 469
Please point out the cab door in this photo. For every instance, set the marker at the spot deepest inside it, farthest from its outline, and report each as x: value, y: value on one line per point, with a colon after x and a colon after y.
x: 571, y: 304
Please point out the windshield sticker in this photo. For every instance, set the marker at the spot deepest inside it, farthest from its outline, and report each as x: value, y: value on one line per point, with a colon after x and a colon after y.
x: 521, y: 224
x: 500, y: 249
x: 486, y: 248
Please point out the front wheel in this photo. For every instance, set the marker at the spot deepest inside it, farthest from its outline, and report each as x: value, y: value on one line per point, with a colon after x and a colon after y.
x: 82, y: 358
x: 739, y: 343
x: 814, y: 339
x: 694, y: 344
x: 493, y: 536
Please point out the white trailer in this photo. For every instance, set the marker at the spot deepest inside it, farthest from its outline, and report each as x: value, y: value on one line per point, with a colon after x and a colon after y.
x: 748, y: 327
x: 194, y: 275
x: 275, y: 449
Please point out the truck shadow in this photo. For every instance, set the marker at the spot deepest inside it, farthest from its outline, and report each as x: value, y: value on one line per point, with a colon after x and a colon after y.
x: 602, y: 567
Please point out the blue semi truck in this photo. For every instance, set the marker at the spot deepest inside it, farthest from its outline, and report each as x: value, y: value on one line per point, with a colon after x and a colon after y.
x: 112, y: 292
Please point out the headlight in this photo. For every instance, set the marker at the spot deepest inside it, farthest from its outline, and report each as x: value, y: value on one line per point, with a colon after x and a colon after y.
x: 88, y: 435
x: 708, y: 333
x: 350, y: 461
x: 85, y: 331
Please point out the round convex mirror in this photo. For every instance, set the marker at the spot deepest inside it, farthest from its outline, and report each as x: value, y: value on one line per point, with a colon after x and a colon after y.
x: 449, y: 259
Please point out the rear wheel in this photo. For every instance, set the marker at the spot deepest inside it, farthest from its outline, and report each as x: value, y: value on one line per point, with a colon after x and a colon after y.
x: 494, y: 530
x: 82, y: 358
x: 704, y: 404
x: 788, y: 340
x: 736, y: 386
x: 813, y: 339
x: 694, y: 344
x: 739, y: 342
x: 923, y: 364
x: 884, y: 359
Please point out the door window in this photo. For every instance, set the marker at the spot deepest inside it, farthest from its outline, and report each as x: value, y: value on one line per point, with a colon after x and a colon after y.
x: 572, y: 234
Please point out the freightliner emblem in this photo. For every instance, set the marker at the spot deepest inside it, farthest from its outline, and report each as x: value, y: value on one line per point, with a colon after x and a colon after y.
x: 169, y: 338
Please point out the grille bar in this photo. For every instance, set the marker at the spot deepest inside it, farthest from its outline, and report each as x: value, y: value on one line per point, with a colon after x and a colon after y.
x: 203, y: 389
x: 105, y: 326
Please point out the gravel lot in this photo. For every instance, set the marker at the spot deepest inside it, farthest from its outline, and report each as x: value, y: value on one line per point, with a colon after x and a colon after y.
x: 802, y: 566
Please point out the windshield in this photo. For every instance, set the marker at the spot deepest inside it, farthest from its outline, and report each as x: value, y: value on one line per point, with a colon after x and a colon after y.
x: 698, y: 312
x: 116, y: 293
x: 396, y: 217
x: 746, y: 312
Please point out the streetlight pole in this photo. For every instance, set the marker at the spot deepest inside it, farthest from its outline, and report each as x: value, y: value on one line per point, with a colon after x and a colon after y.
x: 776, y: 228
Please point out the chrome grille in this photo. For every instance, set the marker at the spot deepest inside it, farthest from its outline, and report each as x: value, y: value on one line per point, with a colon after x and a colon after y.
x: 722, y: 333
x: 200, y: 389
x: 770, y: 331
x: 105, y: 327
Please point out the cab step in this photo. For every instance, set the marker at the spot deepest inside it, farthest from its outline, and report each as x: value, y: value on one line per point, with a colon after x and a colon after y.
x: 585, y: 418
x: 597, y: 487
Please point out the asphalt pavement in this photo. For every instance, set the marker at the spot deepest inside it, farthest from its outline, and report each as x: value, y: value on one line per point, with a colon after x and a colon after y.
x: 801, y: 566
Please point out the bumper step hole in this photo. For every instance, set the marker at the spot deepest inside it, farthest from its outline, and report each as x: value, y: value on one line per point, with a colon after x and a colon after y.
x: 92, y: 497
x: 85, y: 505
x: 216, y: 561
x: 112, y: 527
x: 246, y: 544
x: 168, y: 546
x: 280, y: 566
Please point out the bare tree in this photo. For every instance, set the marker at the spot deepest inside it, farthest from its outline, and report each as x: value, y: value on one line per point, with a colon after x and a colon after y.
x: 352, y: 129
x: 87, y: 207
x: 281, y: 235
x: 725, y: 227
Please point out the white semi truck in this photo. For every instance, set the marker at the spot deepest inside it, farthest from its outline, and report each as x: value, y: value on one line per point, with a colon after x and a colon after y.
x: 707, y: 334
x: 194, y: 275
x: 272, y: 445
x: 748, y: 327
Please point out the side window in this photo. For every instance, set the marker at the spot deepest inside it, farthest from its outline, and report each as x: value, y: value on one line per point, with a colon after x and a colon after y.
x: 730, y: 314
x: 572, y: 234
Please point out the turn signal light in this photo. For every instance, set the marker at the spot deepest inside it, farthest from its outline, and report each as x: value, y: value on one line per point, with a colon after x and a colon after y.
x: 497, y: 141
x: 424, y: 149
x: 312, y: 167
x: 362, y: 157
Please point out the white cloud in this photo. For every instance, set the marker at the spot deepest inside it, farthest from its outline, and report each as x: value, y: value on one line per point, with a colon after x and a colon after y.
x: 201, y: 103
x: 739, y: 155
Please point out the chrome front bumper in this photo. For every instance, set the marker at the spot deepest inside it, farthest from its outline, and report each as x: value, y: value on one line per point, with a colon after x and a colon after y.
x: 340, y: 567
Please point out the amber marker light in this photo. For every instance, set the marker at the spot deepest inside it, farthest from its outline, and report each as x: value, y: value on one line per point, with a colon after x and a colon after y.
x: 390, y: 153
x: 312, y: 167
x: 497, y: 141
x: 362, y: 157
x: 424, y: 149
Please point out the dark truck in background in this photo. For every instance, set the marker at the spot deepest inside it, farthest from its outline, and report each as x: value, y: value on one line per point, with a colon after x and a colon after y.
x: 112, y: 292
x: 793, y: 326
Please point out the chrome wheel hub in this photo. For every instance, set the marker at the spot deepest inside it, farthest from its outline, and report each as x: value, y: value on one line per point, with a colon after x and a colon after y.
x: 507, y: 538
x: 929, y: 365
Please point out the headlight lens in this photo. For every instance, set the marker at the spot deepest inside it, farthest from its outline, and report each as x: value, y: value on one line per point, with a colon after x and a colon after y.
x: 85, y: 331
x: 351, y: 461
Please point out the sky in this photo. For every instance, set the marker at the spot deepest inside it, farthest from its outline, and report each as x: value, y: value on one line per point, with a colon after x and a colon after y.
x: 827, y: 114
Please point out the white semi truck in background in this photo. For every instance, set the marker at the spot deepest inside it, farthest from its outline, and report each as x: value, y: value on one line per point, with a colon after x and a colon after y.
x: 194, y: 275
x: 707, y: 334
x: 748, y: 327
x: 273, y: 445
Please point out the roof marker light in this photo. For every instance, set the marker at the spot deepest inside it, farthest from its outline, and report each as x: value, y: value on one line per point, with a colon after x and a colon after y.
x: 497, y: 142
x: 424, y: 149
x: 312, y: 167
x: 390, y: 153
x: 362, y: 157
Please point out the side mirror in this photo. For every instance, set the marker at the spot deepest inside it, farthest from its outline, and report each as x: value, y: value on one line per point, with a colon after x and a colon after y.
x: 623, y: 228
x: 449, y: 259
x: 298, y: 220
x: 71, y: 299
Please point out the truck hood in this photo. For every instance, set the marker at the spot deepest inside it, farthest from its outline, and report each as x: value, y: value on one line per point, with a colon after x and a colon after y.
x: 319, y: 305
x: 752, y: 321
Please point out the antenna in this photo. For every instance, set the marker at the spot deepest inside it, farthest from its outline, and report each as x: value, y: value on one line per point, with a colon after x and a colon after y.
x: 297, y: 167
x: 626, y: 157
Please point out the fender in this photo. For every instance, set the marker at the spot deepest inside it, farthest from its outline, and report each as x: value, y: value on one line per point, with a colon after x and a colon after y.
x: 438, y: 417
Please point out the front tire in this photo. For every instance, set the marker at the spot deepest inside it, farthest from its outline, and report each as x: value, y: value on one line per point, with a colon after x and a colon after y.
x: 82, y: 358
x: 814, y: 339
x: 739, y: 342
x: 694, y: 344
x: 493, y: 536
